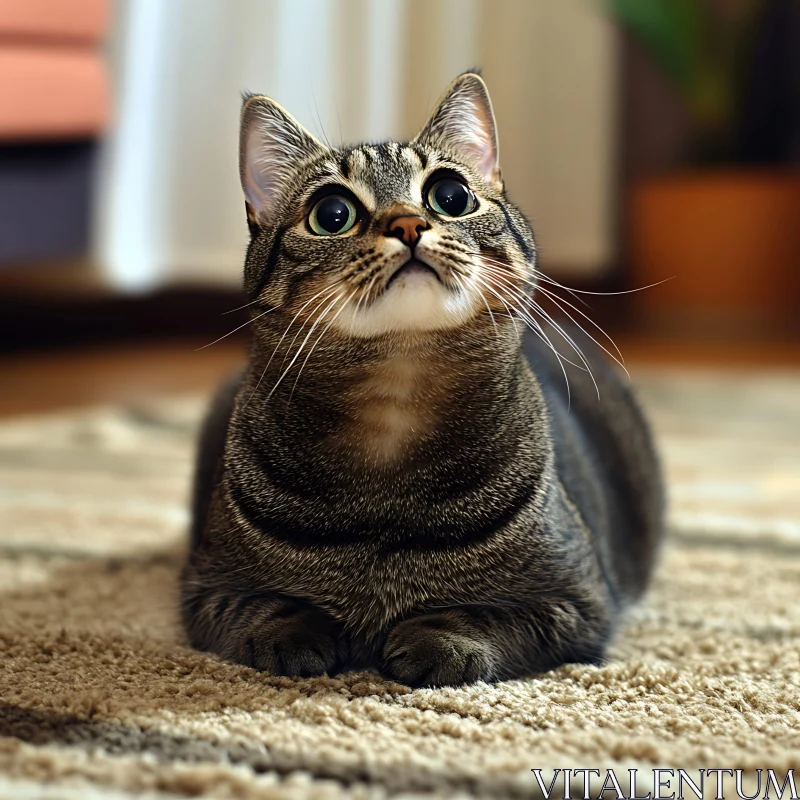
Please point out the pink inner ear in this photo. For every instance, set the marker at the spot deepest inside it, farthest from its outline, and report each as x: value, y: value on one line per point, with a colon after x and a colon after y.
x: 485, y: 154
x: 488, y: 164
x: 272, y: 145
x: 464, y: 122
x: 480, y: 142
x: 256, y: 184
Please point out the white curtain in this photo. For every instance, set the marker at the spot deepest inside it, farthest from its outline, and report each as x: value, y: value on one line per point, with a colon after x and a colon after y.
x: 170, y: 208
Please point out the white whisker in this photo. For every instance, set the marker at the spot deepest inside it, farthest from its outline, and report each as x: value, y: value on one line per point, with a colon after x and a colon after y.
x: 537, y: 329
x: 559, y: 300
x: 239, y: 308
x: 327, y: 289
x: 485, y: 302
x: 532, y: 323
x: 302, y: 327
x: 536, y: 308
x: 243, y: 325
x: 554, y: 324
x: 319, y: 339
x: 571, y: 342
x: 609, y: 294
x: 303, y: 344
x: 521, y: 316
x: 365, y: 294
x: 541, y: 276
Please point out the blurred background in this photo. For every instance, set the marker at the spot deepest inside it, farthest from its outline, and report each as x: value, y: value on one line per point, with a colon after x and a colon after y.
x: 649, y: 141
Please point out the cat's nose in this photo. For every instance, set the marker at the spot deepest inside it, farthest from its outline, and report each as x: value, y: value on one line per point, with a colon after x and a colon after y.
x: 408, y: 228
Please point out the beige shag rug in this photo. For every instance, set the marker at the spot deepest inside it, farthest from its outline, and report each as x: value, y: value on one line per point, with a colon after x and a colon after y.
x: 101, y: 697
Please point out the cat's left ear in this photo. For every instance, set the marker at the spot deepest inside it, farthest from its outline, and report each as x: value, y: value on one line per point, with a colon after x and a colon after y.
x: 463, y: 124
x: 272, y: 146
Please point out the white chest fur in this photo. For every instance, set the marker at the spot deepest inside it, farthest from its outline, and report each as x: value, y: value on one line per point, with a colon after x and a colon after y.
x: 393, y: 407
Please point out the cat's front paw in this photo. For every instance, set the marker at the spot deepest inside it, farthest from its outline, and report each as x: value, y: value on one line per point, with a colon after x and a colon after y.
x: 431, y: 651
x: 303, y: 642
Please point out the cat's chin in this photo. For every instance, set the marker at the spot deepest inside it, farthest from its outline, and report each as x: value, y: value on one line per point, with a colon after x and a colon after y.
x: 416, y: 300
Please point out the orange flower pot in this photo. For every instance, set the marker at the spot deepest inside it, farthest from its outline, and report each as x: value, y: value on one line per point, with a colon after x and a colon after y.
x: 729, y: 241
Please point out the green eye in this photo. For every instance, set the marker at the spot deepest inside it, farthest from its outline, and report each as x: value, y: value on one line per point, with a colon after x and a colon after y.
x: 332, y: 216
x: 451, y: 198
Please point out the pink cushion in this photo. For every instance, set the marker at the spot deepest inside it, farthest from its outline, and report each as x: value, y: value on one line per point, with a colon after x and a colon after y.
x: 51, y: 92
x: 76, y: 20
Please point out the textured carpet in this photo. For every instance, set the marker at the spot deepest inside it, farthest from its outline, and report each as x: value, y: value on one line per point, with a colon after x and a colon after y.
x: 101, y: 697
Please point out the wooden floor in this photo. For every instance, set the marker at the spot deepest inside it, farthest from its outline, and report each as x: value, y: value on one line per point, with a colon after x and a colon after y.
x: 46, y: 381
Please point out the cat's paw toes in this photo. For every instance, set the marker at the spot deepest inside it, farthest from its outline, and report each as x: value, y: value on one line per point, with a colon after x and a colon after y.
x: 304, y: 645
x: 423, y: 651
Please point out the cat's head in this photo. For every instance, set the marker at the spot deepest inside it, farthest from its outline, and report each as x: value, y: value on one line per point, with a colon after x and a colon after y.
x: 384, y: 238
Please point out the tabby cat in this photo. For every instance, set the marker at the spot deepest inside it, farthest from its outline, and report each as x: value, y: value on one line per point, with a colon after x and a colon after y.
x: 398, y: 478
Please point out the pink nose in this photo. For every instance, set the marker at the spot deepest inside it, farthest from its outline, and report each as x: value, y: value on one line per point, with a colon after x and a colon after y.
x: 408, y: 228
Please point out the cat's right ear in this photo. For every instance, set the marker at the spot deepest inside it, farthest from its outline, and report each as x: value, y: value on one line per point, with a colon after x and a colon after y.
x: 463, y: 123
x: 272, y: 144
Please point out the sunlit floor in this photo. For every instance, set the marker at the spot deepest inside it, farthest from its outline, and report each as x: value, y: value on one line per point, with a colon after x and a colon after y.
x: 44, y: 381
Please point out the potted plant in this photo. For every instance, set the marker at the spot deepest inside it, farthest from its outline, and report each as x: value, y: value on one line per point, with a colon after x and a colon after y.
x: 726, y: 226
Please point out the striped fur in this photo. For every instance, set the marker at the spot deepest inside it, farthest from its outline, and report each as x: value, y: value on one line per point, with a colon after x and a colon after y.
x: 394, y: 480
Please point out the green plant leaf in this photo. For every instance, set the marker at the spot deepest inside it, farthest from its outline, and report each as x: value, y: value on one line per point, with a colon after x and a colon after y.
x: 705, y: 53
x: 672, y: 30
